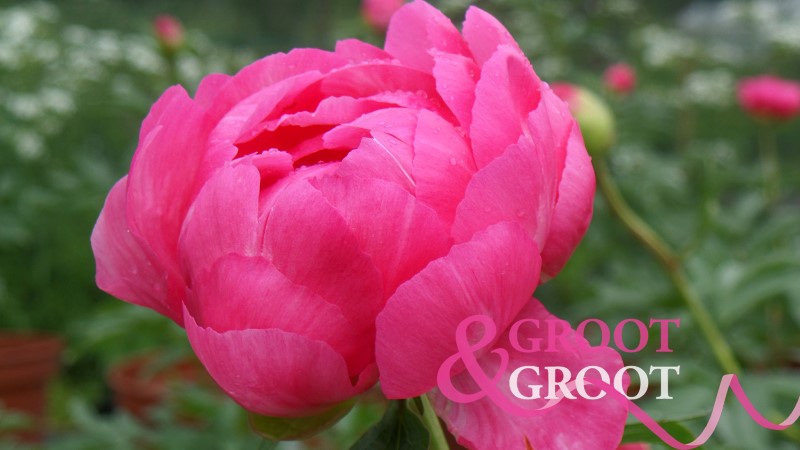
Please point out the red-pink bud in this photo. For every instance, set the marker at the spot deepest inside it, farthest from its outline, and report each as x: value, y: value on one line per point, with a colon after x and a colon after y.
x: 378, y: 13
x: 620, y: 78
x: 769, y: 97
x: 169, y: 32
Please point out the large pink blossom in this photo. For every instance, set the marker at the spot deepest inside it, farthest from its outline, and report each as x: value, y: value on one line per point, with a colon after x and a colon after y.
x: 769, y: 97
x: 323, y: 217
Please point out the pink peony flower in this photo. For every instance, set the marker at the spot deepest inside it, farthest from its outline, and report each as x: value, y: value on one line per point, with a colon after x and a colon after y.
x: 769, y: 97
x: 378, y: 13
x: 323, y: 216
x: 168, y: 31
x: 620, y: 78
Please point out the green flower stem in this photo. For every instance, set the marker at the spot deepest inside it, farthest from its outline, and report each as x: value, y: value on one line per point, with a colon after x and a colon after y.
x: 644, y: 233
x: 768, y: 148
x: 438, y: 440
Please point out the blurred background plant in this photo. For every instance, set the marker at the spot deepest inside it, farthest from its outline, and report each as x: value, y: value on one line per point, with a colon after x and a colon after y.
x: 77, y: 77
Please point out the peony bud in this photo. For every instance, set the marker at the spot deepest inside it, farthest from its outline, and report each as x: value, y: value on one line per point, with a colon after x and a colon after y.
x: 169, y: 32
x: 594, y: 117
x: 620, y: 78
x: 769, y: 97
x: 378, y: 13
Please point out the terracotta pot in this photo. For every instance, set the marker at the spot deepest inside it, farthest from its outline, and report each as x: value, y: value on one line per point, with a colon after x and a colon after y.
x: 27, y: 364
x: 143, y: 382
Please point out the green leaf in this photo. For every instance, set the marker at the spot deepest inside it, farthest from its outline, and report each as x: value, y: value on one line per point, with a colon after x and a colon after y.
x: 295, y: 428
x: 640, y: 433
x: 399, y: 429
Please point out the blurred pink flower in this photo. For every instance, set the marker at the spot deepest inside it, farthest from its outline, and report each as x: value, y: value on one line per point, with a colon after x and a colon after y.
x: 322, y: 215
x: 168, y: 31
x: 769, y: 97
x: 378, y: 13
x: 620, y: 78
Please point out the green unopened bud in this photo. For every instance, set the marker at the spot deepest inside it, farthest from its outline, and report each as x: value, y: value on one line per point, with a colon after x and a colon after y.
x: 593, y: 116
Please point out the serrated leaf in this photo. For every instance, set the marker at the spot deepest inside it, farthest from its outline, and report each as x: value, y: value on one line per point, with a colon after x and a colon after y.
x: 294, y: 428
x: 399, y: 429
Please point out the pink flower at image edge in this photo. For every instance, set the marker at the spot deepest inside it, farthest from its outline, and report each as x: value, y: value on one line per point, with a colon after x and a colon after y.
x: 769, y: 97
x: 324, y: 220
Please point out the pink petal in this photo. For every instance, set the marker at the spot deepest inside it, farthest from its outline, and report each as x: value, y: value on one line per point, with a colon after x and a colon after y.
x: 573, y: 211
x: 162, y: 180
x: 241, y: 293
x: 382, y: 157
x: 399, y: 234
x: 311, y: 244
x: 330, y: 111
x: 242, y: 121
x: 443, y: 164
x: 485, y: 34
x: 493, y: 274
x: 518, y: 186
x: 418, y: 28
x: 270, y: 70
x: 401, y: 123
x: 273, y: 165
x: 210, y: 86
x: 223, y: 219
x: 456, y: 76
x: 578, y: 424
x: 125, y: 268
x: 275, y: 372
x: 416, y: 100
x: 359, y: 52
x: 506, y: 93
x: 369, y: 79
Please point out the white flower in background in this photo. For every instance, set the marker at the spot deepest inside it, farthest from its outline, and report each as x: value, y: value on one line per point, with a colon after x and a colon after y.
x: 751, y: 27
x: 620, y: 7
x: 43, y: 51
x: 76, y: 35
x: 765, y: 12
x: 726, y: 52
x: 106, y: 46
x: 709, y: 88
x: 29, y: 145
x: 721, y: 152
x: 662, y: 47
x: 50, y: 66
x: 189, y: 69
x: 141, y: 54
x: 24, y: 106
x: 10, y: 57
x: 57, y: 100
x: 19, y: 25
x: 43, y: 11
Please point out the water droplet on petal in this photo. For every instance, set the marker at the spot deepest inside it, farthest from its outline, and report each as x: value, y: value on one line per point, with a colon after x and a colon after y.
x: 453, y: 161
